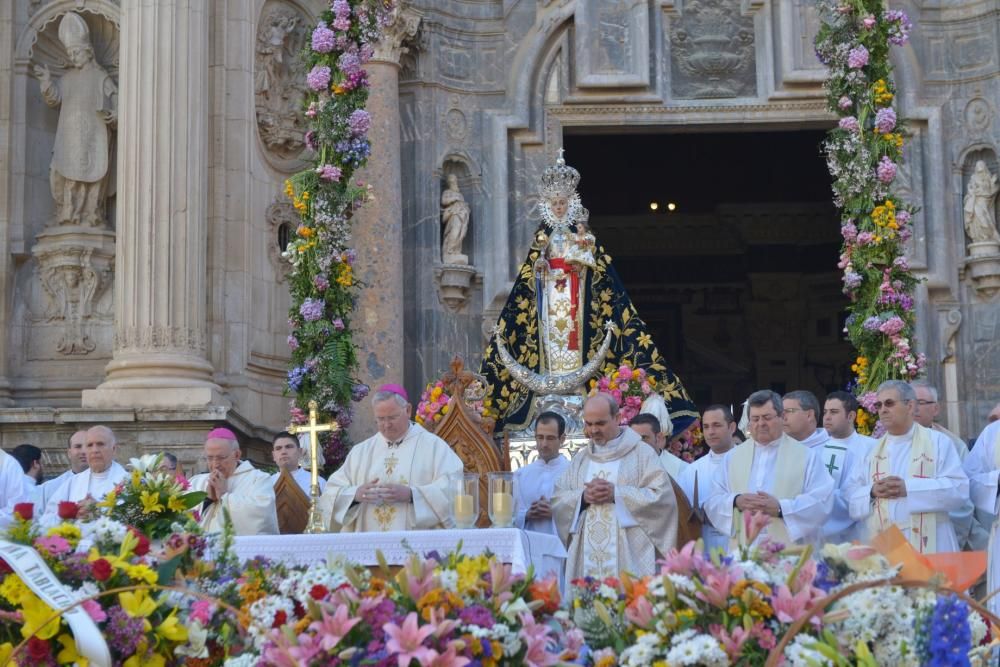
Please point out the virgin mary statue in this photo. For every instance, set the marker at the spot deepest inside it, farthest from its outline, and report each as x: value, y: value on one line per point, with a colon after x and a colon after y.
x: 568, y: 318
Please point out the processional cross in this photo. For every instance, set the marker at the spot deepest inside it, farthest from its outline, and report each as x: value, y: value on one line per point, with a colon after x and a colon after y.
x: 315, y: 523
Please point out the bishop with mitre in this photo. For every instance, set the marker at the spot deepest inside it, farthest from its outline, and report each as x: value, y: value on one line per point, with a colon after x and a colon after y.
x: 615, y: 506
x: 236, y: 487
x: 395, y: 480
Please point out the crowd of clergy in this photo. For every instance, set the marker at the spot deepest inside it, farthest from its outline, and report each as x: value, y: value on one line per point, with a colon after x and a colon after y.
x: 618, y: 504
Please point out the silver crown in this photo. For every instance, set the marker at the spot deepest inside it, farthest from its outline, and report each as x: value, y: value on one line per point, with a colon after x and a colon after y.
x: 560, y: 180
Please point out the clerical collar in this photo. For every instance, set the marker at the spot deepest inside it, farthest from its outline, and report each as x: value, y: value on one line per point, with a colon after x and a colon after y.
x: 101, y: 475
x: 891, y: 439
x: 392, y: 444
x: 718, y: 457
x: 556, y: 460
x: 768, y: 445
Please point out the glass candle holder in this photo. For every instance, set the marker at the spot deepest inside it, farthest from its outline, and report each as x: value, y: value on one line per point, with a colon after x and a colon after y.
x: 501, y: 495
x: 465, y: 499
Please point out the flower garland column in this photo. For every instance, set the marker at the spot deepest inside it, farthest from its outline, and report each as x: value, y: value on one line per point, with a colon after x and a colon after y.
x: 160, y: 264
x: 378, y: 227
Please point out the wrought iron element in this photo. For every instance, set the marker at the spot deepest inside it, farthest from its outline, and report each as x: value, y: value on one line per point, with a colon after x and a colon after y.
x: 554, y: 383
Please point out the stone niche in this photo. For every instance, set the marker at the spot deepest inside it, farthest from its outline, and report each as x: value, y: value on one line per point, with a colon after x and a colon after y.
x: 456, y: 276
x: 979, y: 218
x: 279, y: 83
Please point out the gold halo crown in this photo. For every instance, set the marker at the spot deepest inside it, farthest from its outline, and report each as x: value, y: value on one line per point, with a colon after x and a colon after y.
x: 560, y: 180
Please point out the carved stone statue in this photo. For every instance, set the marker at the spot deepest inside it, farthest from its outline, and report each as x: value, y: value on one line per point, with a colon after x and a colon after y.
x: 980, y: 205
x: 88, y: 98
x: 277, y: 83
x: 455, y: 216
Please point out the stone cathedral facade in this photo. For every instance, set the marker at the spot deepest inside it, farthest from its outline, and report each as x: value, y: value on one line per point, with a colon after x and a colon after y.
x: 163, y: 308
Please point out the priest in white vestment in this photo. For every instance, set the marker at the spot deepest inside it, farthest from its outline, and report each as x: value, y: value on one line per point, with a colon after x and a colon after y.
x: 983, y: 468
x: 12, y: 488
x: 774, y: 474
x: 236, y: 487
x: 287, y: 452
x: 614, y: 507
x: 968, y: 527
x: 536, y: 481
x: 90, y: 486
x: 911, y: 478
x: 395, y: 480
x: 77, y: 455
x: 839, y: 414
x: 651, y: 431
x: 717, y: 427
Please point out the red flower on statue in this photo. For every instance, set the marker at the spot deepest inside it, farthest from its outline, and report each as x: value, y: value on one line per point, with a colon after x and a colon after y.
x: 68, y: 510
x: 25, y: 511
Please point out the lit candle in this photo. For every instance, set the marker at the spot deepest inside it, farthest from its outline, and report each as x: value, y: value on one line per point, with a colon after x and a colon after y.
x: 464, y: 510
x: 503, y: 508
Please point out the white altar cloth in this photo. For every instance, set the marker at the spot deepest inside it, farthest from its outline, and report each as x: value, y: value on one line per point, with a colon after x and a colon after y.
x: 520, y: 548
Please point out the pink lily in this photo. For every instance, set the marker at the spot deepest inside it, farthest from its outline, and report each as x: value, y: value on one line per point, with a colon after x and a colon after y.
x: 331, y: 629
x: 449, y: 658
x: 788, y: 607
x: 502, y: 580
x: 753, y: 523
x: 443, y: 624
x: 573, y: 642
x: 536, y: 638
x: 716, y: 583
x: 406, y: 642
x: 733, y: 643
x: 419, y: 577
x: 640, y: 613
x: 683, y: 561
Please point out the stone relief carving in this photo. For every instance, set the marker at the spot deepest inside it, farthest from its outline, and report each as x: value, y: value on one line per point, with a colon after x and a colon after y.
x: 402, y: 27
x: 979, y: 206
x: 978, y: 115
x: 160, y: 338
x: 612, y: 43
x: 75, y: 270
x: 278, y: 82
x: 282, y: 221
x: 87, y: 99
x: 455, y: 217
x: 613, y: 38
x: 712, y: 51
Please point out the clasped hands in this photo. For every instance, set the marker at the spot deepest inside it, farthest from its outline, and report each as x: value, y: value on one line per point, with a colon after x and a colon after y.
x: 889, y: 487
x: 373, y: 492
x: 598, y: 492
x: 540, y: 509
x: 758, y: 502
x: 217, y: 485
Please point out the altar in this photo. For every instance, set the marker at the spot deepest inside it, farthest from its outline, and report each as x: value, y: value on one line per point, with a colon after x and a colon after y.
x: 519, y: 548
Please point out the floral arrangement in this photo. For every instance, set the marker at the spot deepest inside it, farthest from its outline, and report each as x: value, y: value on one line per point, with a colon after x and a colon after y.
x: 151, y: 501
x: 733, y: 610
x: 689, y: 445
x: 629, y: 386
x: 433, y: 405
x: 863, y: 153
x: 323, y: 284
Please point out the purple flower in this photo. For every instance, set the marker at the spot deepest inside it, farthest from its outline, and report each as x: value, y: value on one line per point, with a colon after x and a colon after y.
x: 849, y: 123
x: 858, y: 57
x: 886, y: 170
x: 341, y: 8
x: 872, y: 324
x: 885, y: 120
x: 320, y: 282
x: 359, y: 122
x: 892, y: 326
x: 868, y: 22
x: 845, y: 102
x: 477, y: 615
x: 338, y: 324
x: 849, y: 232
x: 293, y: 342
x: 311, y: 310
x: 905, y: 234
x: 902, y: 218
x: 342, y: 23
x: 901, y: 263
x: 359, y: 392
x: 899, y: 26
x: 864, y: 238
x: 296, y: 376
x: 852, y: 280
x: 328, y: 172
x: 349, y: 63
x: 350, y: 255
x: 123, y: 632
x: 310, y: 139
x: 318, y: 77
x: 323, y: 39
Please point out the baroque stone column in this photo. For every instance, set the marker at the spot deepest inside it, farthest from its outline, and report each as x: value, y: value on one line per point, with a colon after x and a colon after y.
x: 160, y: 270
x: 378, y: 226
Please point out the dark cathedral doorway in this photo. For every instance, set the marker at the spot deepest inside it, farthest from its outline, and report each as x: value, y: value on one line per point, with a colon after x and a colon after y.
x: 728, y: 244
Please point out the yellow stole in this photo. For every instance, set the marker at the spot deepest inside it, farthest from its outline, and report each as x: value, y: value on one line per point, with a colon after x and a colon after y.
x: 923, y: 463
x: 789, y: 480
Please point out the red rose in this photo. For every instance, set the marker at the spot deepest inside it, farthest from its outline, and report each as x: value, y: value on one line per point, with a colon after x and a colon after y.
x: 101, y: 569
x: 142, y: 548
x: 24, y: 510
x: 68, y: 510
x: 280, y: 618
x: 39, y: 650
x: 318, y: 592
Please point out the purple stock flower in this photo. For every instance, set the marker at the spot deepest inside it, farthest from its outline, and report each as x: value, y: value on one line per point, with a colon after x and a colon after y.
x: 899, y: 26
x: 350, y: 256
x: 845, y: 102
x: 293, y: 342
x: 296, y: 376
x: 323, y: 39
x: 852, y: 280
x: 318, y: 77
x: 885, y: 120
x: 311, y: 310
x: 886, y: 170
x: 349, y: 63
x: 864, y: 238
x: 359, y: 392
x: 359, y: 122
x: 849, y: 123
x: 872, y: 324
x: 123, y: 632
x: 342, y: 23
x: 858, y: 57
x: 902, y: 218
x: 321, y: 282
x: 892, y: 326
x: 338, y: 324
x: 849, y: 232
x: 341, y: 8
x: 328, y: 172
x: 477, y: 615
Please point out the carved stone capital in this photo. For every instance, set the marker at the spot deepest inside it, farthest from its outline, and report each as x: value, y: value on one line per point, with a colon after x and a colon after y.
x: 983, y: 266
x: 402, y: 27
x: 454, y: 283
